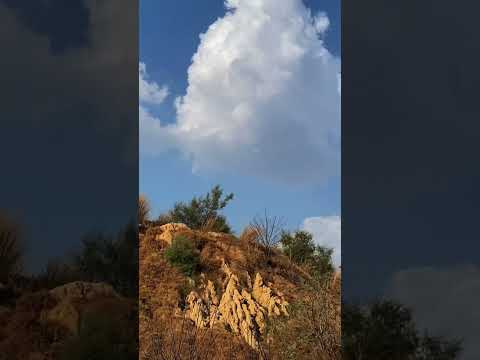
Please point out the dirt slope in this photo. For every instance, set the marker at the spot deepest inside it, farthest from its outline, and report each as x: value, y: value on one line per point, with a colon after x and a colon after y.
x: 235, y: 292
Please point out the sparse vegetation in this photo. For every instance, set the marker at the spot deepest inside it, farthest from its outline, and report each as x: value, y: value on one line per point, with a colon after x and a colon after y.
x: 11, y: 251
x: 313, y: 329
x: 57, y: 273
x: 201, y: 212
x: 267, y: 230
x: 177, y: 340
x: 183, y: 255
x: 143, y: 210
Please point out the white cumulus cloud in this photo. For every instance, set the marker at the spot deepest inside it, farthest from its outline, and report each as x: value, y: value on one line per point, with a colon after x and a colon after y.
x: 262, y: 95
x: 149, y: 91
x: 154, y: 138
x: 326, y: 232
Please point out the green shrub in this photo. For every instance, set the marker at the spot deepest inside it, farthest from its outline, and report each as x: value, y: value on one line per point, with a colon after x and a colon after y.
x: 104, y: 258
x: 302, y: 250
x: 299, y: 247
x: 183, y: 255
x: 201, y: 212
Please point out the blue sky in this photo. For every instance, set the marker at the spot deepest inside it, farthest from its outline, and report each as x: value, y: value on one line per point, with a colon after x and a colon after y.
x: 260, y: 113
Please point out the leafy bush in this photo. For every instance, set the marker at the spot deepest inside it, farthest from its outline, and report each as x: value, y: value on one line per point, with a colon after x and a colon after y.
x: 111, y: 259
x: 183, y: 255
x: 386, y: 330
x: 201, y: 211
x: 301, y: 249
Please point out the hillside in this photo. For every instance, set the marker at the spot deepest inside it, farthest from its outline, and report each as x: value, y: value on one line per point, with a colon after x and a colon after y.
x: 226, y: 307
x: 68, y: 322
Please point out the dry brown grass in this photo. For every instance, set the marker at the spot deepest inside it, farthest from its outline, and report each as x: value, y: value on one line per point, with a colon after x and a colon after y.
x: 164, y: 332
x: 21, y: 332
x: 177, y: 339
x: 313, y: 330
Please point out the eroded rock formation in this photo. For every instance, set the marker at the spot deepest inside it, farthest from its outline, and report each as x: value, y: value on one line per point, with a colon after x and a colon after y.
x: 242, y: 309
x: 266, y: 297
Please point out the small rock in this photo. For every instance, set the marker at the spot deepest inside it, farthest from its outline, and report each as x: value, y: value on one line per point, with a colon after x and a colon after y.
x: 168, y: 231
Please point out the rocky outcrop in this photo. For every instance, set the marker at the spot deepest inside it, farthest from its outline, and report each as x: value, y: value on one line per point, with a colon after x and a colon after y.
x: 168, y: 232
x: 80, y: 290
x: 203, y: 309
x: 265, y: 296
x: 241, y: 313
x: 65, y: 313
x: 41, y: 322
x: 242, y: 309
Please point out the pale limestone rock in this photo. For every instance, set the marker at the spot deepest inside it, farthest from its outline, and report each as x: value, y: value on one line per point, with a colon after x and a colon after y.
x: 198, y: 311
x: 82, y: 290
x: 244, y: 312
x: 243, y: 315
x: 64, y: 313
x: 265, y: 296
x: 203, y: 310
x: 211, y: 293
x: 168, y: 231
x: 215, y: 234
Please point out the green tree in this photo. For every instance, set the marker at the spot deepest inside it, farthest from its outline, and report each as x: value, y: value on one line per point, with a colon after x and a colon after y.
x: 182, y: 254
x: 111, y: 259
x: 301, y: 249
x: 202, y: 211
x: 386, y: 330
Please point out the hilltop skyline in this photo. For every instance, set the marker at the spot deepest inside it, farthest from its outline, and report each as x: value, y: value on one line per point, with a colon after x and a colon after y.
x: 245, y: 95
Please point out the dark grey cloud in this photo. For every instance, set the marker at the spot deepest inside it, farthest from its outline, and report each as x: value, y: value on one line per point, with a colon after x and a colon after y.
x: 64, y: 23
x: 444, y: 301
x: 409, y: 138
x: 410, y: 145
x: 69, y: 132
